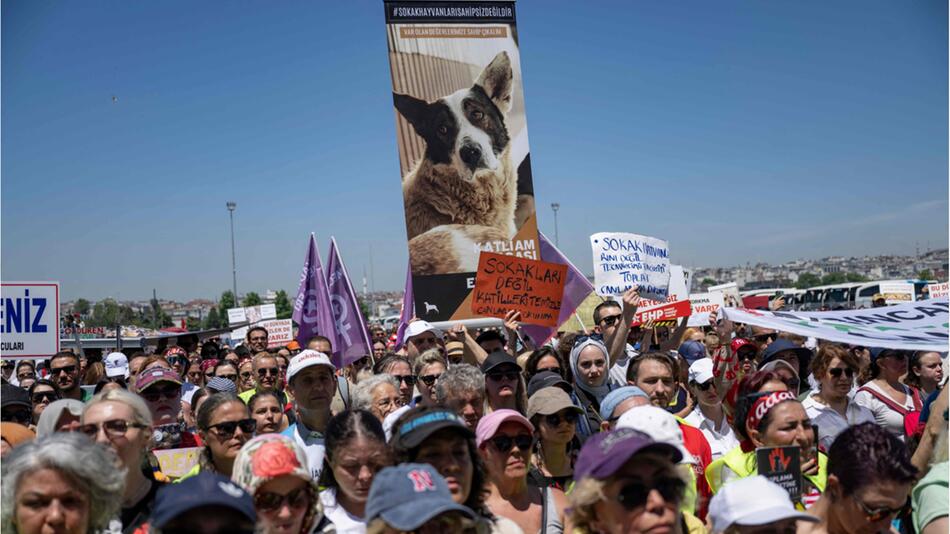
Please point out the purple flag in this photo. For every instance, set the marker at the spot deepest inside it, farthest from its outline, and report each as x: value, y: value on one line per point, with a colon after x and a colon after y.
x: 352, y: 337
x: 312, y: 309
x: 408, y: 308
x: 576, y: 289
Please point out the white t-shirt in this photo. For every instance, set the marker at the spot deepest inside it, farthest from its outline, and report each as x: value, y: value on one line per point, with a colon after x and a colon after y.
x: 618, y: 371
x: 884, y: 415
x: 831, y: 423
x: 312, y: 443
x: 345, y: 522
x: 721, y: 440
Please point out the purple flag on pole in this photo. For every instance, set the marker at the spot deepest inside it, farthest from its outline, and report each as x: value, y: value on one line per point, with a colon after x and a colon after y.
x: 312, y: 309
x: 352, y: 337
x: 576, y: 289
x: 408, y: 308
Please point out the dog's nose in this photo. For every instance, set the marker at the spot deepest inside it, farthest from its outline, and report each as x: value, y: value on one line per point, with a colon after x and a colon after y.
x: 471, y: 155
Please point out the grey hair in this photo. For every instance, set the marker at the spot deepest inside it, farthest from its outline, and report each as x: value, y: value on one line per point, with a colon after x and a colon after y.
x: 460, y: 377
x: 140, y: 412
x: 91, y: 467
x: 362, y: 395
x: 427, y: 358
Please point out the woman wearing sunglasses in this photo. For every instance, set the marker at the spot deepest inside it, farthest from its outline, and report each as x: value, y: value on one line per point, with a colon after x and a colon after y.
x: 883, y: 393
x: 246, y: 375
x: 428, y: 368
x: 401, y: 369
x: 554, y: 416
x: 224, y: 425
x: 42, y: 393
x: 273, y: 470
x: 121, y: 420
x: 870, y: 476
x: 835, y: 368
x: 627, y: 482
x: 505, y: 439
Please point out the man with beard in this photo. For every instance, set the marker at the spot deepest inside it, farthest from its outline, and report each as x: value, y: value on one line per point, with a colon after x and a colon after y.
x: 256, y: 340
x: 64, y: 370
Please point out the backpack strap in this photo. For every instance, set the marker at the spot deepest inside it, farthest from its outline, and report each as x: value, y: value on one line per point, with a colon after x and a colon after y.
x: 887, y: 401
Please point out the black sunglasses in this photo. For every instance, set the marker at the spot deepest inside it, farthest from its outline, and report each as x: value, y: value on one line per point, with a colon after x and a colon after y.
x: 265, y: 371
x: 41, y: 396
x: 704, y: 386
x: 226, y: 430
x: 505, y: 443
x: 114, y: 428
x: 498, y: 376
x: 762, y: 338
x: 836, y: 372
x: 429, y: 379
x: 408, y: 379
x: 269, y: 502
x: 69, y: 369
x: 634, y: 494
x: 610, y: 320
x: 155, y: 395
x: 555, y: 419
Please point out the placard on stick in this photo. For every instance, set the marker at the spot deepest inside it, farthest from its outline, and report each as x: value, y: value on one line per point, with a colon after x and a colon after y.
x: 782, y: 465
x: 505, y: 283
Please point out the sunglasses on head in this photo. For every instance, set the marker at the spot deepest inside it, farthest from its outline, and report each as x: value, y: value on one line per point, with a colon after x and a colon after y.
x: 876, y: 514
x: 155, y: 394
x: 267, y: 501
x: 611, y: 320
x: 634, y: 493
x: 408, y: 379
x: 226, y: 430
x: 268, y: 371
x: 429, y: 379
x: 836, y: 372
x: 506, y: 443
x: 556, y: 419
x: 580, y: 339
x: 114, y: 428
x: 69, y: 369
x: 498, y: 376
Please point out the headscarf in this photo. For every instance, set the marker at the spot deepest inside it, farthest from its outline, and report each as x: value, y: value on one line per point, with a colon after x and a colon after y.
x: 208, y: 364
x: 49, y: 419
x: 15, y: 433
x: 271, y: 456
x: 598, y: 392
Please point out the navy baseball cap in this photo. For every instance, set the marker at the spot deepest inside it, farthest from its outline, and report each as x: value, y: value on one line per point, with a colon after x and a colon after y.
x: 203, y: 489
x: 546, y: 379
x: 604, y: 453
x: 497, y: 359
x: 692, y: 350
x: 782, y: 345
x: 407, y: 496
x: 420, y: 422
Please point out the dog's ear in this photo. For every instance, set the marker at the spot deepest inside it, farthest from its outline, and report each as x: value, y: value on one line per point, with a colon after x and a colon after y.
x: 497, y: 82
x: 413, y: 109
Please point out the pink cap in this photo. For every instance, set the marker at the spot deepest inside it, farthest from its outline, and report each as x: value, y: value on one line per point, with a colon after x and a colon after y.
x: 488, y: 425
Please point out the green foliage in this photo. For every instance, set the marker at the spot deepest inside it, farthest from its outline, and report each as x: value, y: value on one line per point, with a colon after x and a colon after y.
x: 282, y: 303
x: 252, y: 299
x: 213, y: 319
x: 855, y: 277
x: 708, y: 282
x: 806, y: 280
x: 925, y: 274
x: 193, y: 323
x: 227, y: 301
x: 109, y: 313
x: 364, y: 309
x: 82, y: 307
x: 834, y: 278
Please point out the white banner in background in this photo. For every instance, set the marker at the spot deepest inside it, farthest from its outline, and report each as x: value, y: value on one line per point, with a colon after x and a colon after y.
x: 704, y: 304
x: 911, y: 326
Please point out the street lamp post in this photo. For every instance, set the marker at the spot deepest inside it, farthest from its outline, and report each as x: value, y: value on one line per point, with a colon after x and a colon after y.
x: 231, y: 207
x: 555, y: 206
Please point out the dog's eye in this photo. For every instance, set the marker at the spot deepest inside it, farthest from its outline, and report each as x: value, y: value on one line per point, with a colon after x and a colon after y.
x: 477, y: 115
x: 443, y: 130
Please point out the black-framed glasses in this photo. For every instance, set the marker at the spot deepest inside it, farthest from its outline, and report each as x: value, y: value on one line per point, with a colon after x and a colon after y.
x: 498, y: 376
x: 876, y: 514
x: 836, y: 372
x: 114, y: 428
x: 611, y: 320
x: 506, y: 443
x: 268, y: 371
x: 9, y: 365
x: 155, y: 394
x: 633, y: 494
x: 556, y: 419
x: 227, y: 429
x: 555, y: 370
x: 41, y: 396
x: 409, y: 380
x: 68, y: 369
x: 267, y: 501
x: 429, y: 380
x: 231, y: 377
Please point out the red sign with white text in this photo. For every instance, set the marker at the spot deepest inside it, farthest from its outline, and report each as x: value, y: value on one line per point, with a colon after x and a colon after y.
x: 663, y: 312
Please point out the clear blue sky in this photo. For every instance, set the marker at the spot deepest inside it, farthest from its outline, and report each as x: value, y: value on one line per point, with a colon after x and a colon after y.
x: 739, y: 131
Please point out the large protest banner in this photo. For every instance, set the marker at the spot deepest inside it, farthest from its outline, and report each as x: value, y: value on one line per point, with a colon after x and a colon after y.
x: 463, y: 145
x: 911, y: 326
x: 534, y: 288
x: 623, y: 260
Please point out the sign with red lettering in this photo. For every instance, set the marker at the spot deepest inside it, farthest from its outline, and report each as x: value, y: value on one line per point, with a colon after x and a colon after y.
x: 938, y: 290
x: 663, y: 312
x: 782, y: 465
x: 505, y: 283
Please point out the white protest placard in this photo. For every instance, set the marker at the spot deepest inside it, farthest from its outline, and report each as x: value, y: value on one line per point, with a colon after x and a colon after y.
x: 29, y: 319
x: 623, y: 260
x: 730, y: 293
x: 704, y: 304
x: 679, y: 283
x: 279, y: 332
x: 897, y: 292
x: 909, y: 326
x: 939, y: 290
x: 252, y: 314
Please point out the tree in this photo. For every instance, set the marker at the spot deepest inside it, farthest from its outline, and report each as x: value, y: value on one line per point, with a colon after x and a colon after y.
x: 213, y: 320
x: 81, y: 306
x: 252, y: 299
x: 708, y: 282
x: 834, y: 278
x: 806, y: 280
x: 193, y: 323
x: 282, y: 303
x: 227, y: 301
x: 925, y: 275
x: 109, y: 313
x: 855, y: 277
x: 364, y: 309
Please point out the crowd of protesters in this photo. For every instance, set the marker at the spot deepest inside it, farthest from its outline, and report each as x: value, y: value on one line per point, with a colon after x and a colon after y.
x: 624, y: 428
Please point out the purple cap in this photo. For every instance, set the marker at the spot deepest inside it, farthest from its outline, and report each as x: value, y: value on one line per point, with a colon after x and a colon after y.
x: 604, y: 453
x: 154, y: 375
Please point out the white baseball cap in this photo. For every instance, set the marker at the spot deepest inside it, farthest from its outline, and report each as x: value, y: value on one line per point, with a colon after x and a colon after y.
x: 658, y: 424
x: 701, y: 371
x: 117, y: 365
x: 752, y: 501
x: 307, y: 358
x: 415, y: 328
